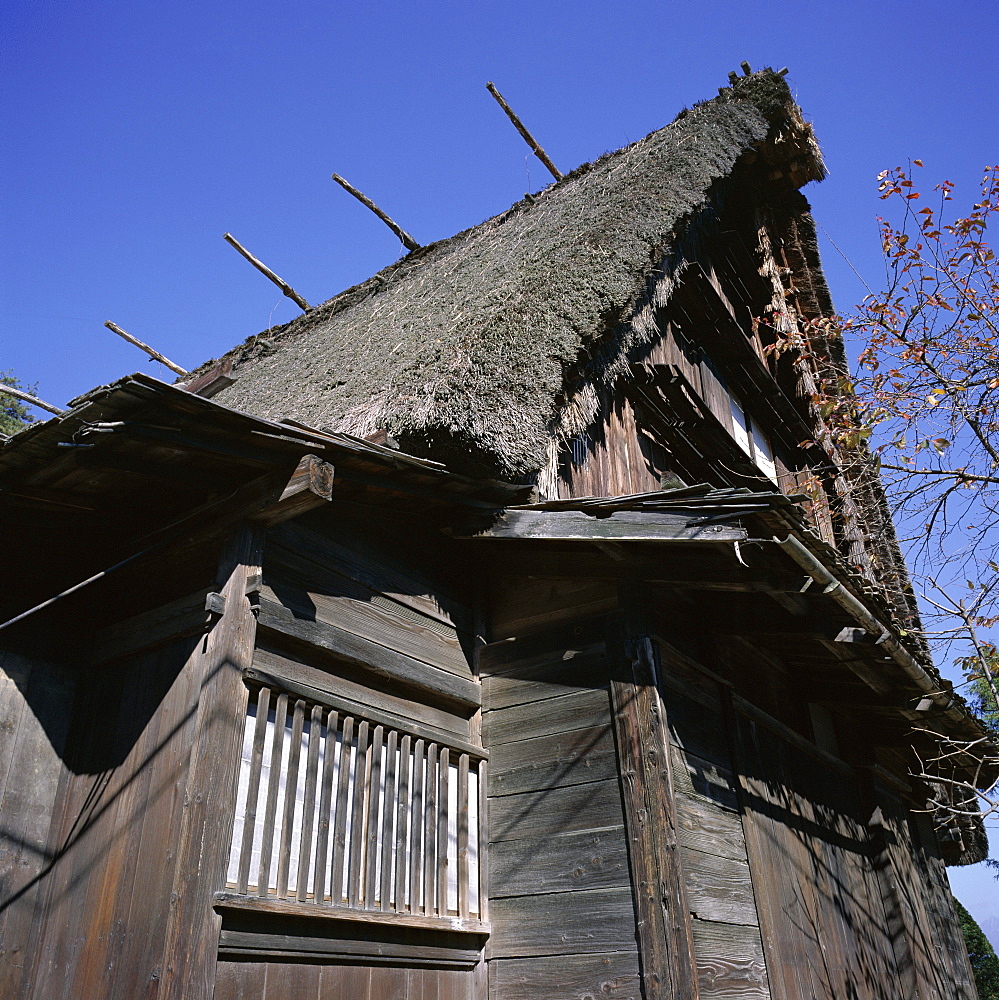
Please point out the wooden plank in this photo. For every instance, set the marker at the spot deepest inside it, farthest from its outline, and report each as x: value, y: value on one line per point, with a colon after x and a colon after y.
x: 190, y: 949
x: 368, y: 620
x: 253, y: 787
x: 374, y: 804
x: 290, y: 796
x: 370, y: 657
x: 341, y: 854
x: 609, y: 975
x: 730, y: 962
x: 718, y: 889
x: 577, y: 757
x: 551, y: 680
x: 568, y: 862
x: 598, y: 920
x: 347, y: 695
x: 330, y: 916
x: 326, y: 805
x: 695, y: 777
x: 583, y: 710
x: 443, y: 809
x: 240, y: 981
x: 389, y: 809
x: 309, y: 805
x: 342, y: 981
x: 417, y: 846
x: 402, y: 827
x: 554, y: 811
x: 650, y: 811
x: 519, y: 605
x: 462, y: 836
x: 355, y: 851
x: 182, y: 617
x: 273, y: 790
x: 431, y: 804
x: 298, y: 948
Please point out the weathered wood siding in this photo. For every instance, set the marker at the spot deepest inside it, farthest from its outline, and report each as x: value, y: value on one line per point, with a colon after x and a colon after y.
x: 35, y: 704
x: 562, y: 908
x: 110, y: 847
x: 728, y: 948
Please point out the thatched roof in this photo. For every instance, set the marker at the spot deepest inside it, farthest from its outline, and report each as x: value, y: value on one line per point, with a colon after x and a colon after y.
x: 470, y: 349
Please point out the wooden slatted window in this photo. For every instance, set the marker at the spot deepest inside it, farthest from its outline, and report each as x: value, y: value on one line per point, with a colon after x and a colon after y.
x: 339, y: 810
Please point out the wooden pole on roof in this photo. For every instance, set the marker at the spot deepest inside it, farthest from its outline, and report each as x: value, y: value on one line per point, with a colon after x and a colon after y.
x: 528, y: 138
x: 9, y: 390
x: 267, y: 272
x: 114, y: 328
x: 407, y: 241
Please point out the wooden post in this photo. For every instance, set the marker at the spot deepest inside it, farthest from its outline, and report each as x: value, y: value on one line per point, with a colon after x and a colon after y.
x: 528, y: 138
x: 191, y: 946
x: 665, y: 942
x: 114, y: 328
x: 267, y: 272
x: 407, y: 241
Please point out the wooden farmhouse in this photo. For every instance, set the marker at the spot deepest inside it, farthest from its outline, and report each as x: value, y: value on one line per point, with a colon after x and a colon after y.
x: 496, y: 630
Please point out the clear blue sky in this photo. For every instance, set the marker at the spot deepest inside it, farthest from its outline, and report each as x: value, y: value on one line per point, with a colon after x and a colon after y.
x: 135, y: 134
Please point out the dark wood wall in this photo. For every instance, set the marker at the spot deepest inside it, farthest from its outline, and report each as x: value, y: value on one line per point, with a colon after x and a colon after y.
x: 110, y: 833
x: 562, y: 908
x: 35, y: 704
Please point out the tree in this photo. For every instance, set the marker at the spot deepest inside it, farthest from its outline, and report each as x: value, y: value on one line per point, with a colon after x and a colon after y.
x: 14, y: 415
x: 922, y: 404
x: 984, y: 963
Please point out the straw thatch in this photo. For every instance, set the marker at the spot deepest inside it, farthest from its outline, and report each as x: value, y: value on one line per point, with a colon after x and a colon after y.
x: 471, y: 349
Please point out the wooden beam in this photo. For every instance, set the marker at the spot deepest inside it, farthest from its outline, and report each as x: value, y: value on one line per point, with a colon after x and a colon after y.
x: 267, y: 273
x: 154, y: 354
x: 636, y: 526
x: 407, y: 241
x: 190, y: 950
x: 665, y: 940
x: 527, y: 137
x: 267, y: 501
x: 10, y: 390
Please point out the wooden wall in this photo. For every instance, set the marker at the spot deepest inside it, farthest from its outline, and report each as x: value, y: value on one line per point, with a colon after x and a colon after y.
x: 562, y: 910
x: 105, y: 896
x: 35, y: 705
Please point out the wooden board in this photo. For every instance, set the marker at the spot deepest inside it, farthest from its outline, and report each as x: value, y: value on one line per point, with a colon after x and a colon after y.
x: 597, y: 920
x: 582, y: 710
x: 556, y: 810
x: 609, y: 976
x: 730, y: 962
x: 568, y: 862
x: 576, y: 757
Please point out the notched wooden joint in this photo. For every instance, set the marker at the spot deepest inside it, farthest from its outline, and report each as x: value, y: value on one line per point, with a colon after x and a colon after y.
x: 215, y: 604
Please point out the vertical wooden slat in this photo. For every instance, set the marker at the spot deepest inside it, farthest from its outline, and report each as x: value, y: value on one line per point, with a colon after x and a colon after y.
x: 429, y: 831
x: 338, y: 878
x: 290, y: 790
x: 402, y: 824
x: 273, y: 786
x: 444, y: 774
x: 325, y: 803
x: 253, y: 788
x: 371, y: 833
x: 309, y: 806
x: 416, y: 833
x: 356, y: 854
x: 463, y: 908
x: 483, y: 840
x: 389, y: 810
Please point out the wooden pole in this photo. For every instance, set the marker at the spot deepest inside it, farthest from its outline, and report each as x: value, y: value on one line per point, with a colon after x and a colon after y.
x: 114, y: 328
x: 268, y: 273
x: 21, y: 394
x: 528, y: 138
x: 407, y: 241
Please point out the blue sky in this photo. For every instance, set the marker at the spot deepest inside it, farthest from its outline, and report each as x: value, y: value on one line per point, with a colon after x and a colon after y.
x: 135, y: 134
